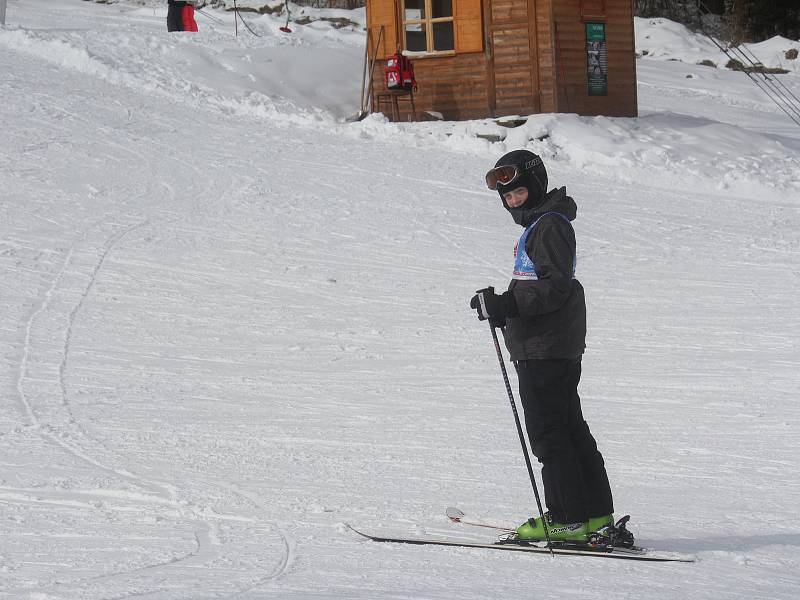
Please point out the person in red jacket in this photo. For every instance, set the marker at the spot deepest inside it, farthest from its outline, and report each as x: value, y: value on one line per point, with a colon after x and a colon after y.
x: 180, y: 16
x: 189, y: 24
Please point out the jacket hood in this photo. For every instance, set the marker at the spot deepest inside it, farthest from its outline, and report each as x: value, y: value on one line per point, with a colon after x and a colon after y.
x: 556, y: 200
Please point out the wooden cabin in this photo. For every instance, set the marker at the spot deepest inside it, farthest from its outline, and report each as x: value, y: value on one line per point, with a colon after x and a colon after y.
x: 491, y: 58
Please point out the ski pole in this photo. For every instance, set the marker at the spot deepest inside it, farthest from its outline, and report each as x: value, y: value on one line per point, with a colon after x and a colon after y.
x: 521, y: 436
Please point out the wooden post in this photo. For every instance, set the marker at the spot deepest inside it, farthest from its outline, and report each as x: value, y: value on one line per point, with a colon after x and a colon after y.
x: 364, y: 75
x: 491, y: 94
x: 368, y: 98
x: 560, y: 73
x: 533, y: 37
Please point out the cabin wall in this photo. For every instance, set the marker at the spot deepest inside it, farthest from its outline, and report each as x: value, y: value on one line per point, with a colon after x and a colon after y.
x: 455, y: 86
x: 383, y: 27
x: 545, y: 55
x: 511, y: 57
x: 569, y: 24
x: 532, y: 58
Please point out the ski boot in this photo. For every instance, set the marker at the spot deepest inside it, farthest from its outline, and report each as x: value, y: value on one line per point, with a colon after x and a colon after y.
x: 598, y: 523
x: 612, y: 535
x: 532, y: 530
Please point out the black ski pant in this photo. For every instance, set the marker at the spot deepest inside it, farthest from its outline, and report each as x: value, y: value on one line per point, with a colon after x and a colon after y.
x: 573, y: 472
x: 175, y: 16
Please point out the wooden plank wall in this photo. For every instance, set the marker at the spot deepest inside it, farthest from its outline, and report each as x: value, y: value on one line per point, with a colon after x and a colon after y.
x: 548, y: 100
x: 455, y: 86
x: 534, y: 61
x: 570, y: 46
x: 621, y: 59
x: 509, y: 30
x: 383, y: 14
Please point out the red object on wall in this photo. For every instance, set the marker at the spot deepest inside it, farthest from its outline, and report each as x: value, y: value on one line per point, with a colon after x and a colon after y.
x: 189, y: 24
x: 399, y: 73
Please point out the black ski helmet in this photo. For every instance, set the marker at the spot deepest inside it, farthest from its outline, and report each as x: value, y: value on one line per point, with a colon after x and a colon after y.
x: 532, y: 176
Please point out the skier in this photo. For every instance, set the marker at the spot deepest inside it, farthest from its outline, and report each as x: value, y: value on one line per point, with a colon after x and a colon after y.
x: 544, y: 316
x: 180, y: 15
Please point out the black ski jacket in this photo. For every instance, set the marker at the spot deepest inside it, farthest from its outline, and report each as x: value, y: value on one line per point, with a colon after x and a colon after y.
x: 552, y: 309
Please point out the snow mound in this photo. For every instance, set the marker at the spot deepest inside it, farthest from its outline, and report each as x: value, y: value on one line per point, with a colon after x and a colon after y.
x: 205, y: 70
x: 678, y: 151
x: 662, y: 39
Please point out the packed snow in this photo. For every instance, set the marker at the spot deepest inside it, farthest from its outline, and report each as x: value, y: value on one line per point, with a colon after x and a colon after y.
x: 666, y: 40
x: 233, y: 321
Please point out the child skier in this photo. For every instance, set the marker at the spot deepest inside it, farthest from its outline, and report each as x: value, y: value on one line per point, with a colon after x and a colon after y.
x: 544, y: 315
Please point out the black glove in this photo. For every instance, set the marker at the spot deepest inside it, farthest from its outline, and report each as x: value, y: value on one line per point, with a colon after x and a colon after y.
x: 496, y: 308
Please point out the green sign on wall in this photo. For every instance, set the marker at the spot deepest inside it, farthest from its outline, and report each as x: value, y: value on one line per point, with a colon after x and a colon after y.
x: 596, y: 59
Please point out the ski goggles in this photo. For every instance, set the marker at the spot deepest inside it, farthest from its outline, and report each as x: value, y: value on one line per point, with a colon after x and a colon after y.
x: 502, y: 175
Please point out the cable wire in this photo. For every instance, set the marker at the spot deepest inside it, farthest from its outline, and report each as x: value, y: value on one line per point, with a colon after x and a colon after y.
x: 770, y: 85
x: 237, y: 15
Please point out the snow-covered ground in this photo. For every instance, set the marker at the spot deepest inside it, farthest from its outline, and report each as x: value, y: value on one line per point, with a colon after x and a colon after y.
x: 231, y: 321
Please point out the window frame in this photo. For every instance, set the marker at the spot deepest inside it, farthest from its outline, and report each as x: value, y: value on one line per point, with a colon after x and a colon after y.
x: 427, y: 23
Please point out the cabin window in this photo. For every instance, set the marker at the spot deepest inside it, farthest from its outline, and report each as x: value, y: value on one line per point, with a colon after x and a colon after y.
x: 428, y: 26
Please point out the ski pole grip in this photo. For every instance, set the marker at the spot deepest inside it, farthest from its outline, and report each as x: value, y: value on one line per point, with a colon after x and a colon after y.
x: 484, y: 313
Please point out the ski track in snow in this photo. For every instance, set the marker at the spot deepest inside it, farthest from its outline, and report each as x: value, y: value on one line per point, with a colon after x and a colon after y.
x: 46, y: 426
x: 57, y: 430
x: 223, y: 336
x: 44, y: 396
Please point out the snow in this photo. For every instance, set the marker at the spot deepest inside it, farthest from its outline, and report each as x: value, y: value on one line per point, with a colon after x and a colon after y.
x: 231, y: 321
x: 662, y: 39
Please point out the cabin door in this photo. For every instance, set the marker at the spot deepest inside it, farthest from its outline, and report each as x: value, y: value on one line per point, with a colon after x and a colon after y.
x: 510, y: 39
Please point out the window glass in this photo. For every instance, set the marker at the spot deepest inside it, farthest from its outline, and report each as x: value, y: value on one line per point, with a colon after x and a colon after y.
x: 441, y: 8
x: 415, y: 37
x: 443, y: 38
x: 414, y: 9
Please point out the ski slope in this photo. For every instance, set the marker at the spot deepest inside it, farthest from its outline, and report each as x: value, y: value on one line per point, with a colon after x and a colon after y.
x: 231, y: 322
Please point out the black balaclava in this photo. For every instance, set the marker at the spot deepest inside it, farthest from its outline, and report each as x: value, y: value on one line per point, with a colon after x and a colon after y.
x: 533, y: 177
